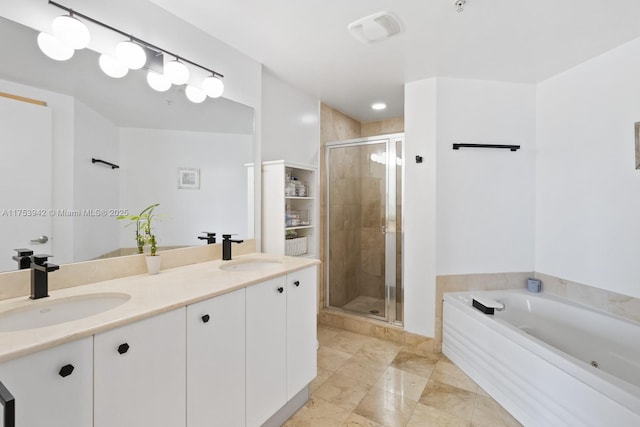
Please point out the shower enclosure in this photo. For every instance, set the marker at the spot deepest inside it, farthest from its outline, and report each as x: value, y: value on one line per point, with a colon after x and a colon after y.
x: 364, y: 226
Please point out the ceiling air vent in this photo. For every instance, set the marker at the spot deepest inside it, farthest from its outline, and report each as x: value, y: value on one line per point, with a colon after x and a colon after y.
x: 376, y: 27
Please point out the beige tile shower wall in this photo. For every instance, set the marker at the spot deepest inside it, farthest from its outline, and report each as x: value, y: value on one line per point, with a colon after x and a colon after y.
x: 336, y: 126
x: 344, y: 224
x: 473, y: 282
x: 382, y: 127
x: 18, y: 283
x: 611, y: 302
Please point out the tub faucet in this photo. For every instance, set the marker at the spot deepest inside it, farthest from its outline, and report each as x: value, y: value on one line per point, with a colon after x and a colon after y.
x: 23, y: 258
x: 226, y: 246
x: 210, y: 237
x: 40, y: 270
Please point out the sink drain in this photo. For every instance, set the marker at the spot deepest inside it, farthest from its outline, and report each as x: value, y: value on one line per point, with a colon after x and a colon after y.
x: 594, y: 363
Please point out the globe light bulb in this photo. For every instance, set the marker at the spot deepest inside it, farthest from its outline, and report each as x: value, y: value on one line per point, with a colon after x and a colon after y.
x: 131, y: 54
x: 53, y: 47
x: 112, y: 67
x: 213, y: 86
x: 195, y: 95
x: 71, y: 31
x: 158, y: 82
x: 176, y: 72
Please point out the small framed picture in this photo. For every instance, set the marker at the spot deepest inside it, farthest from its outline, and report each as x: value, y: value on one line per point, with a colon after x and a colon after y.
x: 189, y: 178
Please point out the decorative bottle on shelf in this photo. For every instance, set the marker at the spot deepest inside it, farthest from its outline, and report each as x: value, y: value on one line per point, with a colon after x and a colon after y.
x: 290, y: 188
x: 301, y: 189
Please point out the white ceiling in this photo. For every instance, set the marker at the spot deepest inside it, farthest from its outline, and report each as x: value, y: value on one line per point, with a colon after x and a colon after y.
x: 306, y: 42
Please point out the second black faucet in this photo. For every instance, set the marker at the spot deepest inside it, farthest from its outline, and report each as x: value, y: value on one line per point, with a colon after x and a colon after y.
x: 40, y: 270
x: 226, y: 246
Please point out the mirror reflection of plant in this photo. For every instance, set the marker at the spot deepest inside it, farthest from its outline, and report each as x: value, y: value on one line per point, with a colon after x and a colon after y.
x: 144, y: 234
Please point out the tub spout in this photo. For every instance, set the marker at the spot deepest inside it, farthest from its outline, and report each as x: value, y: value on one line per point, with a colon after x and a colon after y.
x: 487, y: 305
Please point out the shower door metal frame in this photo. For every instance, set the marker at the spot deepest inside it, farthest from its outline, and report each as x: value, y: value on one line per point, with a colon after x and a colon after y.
x: 390, y: 229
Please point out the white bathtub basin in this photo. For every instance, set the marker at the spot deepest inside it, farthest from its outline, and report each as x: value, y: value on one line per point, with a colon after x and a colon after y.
x: 47, y: 312
x: 547, y: 360
x: 258, y: 264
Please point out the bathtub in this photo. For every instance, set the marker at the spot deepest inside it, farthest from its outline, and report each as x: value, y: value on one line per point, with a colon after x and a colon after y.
x: 546, y: 360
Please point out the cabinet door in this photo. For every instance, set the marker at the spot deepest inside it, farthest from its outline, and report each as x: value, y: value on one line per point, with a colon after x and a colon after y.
x: 215, y: 361
x: 266, y: 355
x: 302, y: 291
x: 53, y: 387
x: 139, y: 373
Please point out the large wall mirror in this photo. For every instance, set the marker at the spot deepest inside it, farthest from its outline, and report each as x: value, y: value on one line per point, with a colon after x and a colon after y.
x: 160, y: 141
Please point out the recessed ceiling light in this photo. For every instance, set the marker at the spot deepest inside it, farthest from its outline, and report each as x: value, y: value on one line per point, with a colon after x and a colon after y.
x: 379, y: 106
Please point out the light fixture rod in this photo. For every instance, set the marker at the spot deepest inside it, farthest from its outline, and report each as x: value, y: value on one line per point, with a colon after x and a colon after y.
x: 131, y: 37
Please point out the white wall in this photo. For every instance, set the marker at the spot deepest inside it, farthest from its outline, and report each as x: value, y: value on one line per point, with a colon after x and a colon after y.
x: 420, y: 207
x: 152, y: 158
x: 96, y: 186
x: 485, y: 197
x: 291, y: 123
x: 588, y: 191
x: 466, y: 211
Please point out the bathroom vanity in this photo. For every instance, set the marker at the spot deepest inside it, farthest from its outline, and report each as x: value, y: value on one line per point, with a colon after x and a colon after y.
x: 228, y: 343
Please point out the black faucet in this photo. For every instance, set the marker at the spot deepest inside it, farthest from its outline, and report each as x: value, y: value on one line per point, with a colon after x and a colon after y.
x: 210, y: 237
x: 226, y: 246
x: 23, y: 258
x: 40, y: 269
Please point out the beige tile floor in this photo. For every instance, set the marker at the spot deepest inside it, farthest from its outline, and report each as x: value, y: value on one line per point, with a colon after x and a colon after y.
x: 365, y: 381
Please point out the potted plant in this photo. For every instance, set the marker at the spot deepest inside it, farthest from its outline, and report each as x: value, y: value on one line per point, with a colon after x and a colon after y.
x: 144, y: 236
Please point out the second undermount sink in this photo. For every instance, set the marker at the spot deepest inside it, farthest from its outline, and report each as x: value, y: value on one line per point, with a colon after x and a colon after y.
x: 251, y: 264
x: 45, y: 312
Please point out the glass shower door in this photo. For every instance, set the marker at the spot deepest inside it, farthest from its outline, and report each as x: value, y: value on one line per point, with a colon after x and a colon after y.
x: 362, y: 224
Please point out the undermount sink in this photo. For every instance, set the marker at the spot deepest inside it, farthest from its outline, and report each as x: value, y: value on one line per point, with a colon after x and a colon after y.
x: 251, y: 264
x: 41, y: 313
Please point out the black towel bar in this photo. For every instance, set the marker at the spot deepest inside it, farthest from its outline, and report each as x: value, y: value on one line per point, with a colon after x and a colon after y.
x: 510, y: 147
x: 105, y: 163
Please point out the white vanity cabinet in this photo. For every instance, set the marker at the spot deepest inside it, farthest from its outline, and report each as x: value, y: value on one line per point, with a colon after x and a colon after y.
x: 266, y: 350
x: 215, y: 361
x: 281, y: 342
x: 302, y: 290
x: 52, y: 387
x: 140, y: 373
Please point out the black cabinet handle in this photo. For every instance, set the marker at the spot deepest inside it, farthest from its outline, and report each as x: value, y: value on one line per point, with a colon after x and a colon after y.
x: 9, y: 403
x: 123, y: 348
x: 205, y: 318
x: 281, y: 289
x: 297, y: 283
x: 66, y: 370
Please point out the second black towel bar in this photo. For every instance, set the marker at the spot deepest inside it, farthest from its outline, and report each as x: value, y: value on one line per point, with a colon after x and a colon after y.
x: 509, y: 147
x: 113, y: 166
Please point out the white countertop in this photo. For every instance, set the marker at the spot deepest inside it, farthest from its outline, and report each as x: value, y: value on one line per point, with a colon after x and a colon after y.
x: 149, y: 295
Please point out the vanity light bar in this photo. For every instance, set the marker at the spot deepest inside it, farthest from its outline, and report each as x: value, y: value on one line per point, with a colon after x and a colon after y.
x: 133, y: 38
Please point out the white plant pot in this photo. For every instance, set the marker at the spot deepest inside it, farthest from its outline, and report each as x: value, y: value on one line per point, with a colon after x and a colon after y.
x: 153, y: 264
